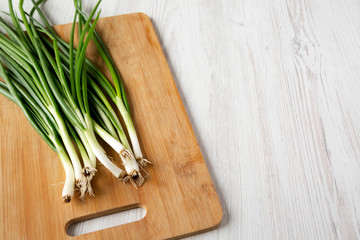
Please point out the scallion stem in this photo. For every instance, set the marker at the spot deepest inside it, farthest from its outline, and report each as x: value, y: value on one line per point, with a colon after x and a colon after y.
x: 66, y: 98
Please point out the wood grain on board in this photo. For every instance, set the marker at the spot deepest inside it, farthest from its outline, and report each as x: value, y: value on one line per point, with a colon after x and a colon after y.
x: 179, y: 196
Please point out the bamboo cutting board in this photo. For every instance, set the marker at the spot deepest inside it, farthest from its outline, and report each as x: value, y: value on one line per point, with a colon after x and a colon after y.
x: 179, y: 196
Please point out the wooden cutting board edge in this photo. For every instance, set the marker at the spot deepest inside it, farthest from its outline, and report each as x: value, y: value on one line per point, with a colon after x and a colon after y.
x: 122, y: 208
x: 192, y: 130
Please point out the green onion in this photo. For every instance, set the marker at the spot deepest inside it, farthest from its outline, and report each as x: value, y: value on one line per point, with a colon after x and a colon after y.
x: 43, y: 126
x: 120, y: 99
x: 64, y: 96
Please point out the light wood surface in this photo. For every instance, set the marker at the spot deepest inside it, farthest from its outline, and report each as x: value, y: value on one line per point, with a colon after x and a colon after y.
x: 272, y: 92
x: 179, y: 196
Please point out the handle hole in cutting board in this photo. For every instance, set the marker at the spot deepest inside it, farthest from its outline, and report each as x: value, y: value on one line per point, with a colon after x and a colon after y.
x: 105, y: 221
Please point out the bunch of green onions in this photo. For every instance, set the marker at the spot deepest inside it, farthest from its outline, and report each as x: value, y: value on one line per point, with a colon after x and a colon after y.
x: 66, y: 98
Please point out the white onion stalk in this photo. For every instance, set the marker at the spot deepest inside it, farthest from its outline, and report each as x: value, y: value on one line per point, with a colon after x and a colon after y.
x: 90, y: 153
x: 99, y: 151
x: 68, y: 190
x: 106, y: 121
x: 63, y: 132
x: 130, y: 164
x: 132, y: 132
x: 88, y: 172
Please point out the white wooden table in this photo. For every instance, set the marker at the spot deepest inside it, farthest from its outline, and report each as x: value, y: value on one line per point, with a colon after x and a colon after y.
x: 272, y: 89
